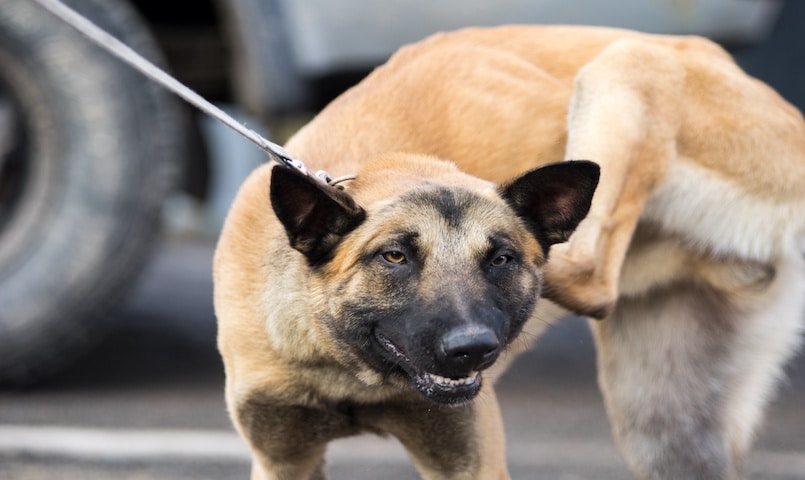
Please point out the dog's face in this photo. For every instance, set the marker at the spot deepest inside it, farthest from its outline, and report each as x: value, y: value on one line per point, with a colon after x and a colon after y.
x: 427, y: 288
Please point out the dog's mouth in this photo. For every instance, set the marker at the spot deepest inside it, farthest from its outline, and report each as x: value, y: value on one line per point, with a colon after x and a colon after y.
x: 445, y: 390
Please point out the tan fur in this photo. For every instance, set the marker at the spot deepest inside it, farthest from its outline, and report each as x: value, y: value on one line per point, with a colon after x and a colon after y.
x: 692, y: 250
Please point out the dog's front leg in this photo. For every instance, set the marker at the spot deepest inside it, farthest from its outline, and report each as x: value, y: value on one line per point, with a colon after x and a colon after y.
x: 624, y: 116
x: 287, y: 442
x: 453, y: 442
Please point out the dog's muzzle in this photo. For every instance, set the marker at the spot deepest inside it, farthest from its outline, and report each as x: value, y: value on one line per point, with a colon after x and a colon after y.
x: 460, y: 355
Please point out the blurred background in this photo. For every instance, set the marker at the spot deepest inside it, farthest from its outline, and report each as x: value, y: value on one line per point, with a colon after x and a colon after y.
x: 112, y: 194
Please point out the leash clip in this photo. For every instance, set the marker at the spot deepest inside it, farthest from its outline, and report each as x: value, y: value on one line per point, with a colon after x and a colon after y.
x: 321, y: 175
x: 334, y: 182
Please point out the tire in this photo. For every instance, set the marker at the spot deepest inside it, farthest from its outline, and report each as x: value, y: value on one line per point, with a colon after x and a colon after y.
x: 89, y: 152
x: 266, y: 80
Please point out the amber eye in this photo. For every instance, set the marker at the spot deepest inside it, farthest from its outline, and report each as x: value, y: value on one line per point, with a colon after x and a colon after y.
x: 500, y: 260
x: 394, y: 257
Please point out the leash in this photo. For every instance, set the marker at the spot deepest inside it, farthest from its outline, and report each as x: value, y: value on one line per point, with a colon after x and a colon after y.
x: 122, y: 51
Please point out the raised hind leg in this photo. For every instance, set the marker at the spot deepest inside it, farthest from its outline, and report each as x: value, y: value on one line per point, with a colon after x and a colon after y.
x: 624, y: 116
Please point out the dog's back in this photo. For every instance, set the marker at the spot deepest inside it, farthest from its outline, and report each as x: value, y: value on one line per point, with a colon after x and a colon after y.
x: 495, y: 102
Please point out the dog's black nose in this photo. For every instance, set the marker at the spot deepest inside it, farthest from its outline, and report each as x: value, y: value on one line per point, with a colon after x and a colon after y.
x: 470, y: 348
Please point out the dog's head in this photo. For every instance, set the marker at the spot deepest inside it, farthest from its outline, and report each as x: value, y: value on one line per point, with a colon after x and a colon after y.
x: 425, y: 284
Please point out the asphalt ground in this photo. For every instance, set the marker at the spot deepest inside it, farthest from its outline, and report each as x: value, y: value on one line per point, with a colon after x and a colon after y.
x: 148, y: 403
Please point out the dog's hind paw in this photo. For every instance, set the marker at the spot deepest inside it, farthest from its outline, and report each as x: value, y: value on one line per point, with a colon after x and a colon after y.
x: 574, y: 283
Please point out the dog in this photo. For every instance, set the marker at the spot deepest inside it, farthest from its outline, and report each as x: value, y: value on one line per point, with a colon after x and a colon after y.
x: 506, y: 177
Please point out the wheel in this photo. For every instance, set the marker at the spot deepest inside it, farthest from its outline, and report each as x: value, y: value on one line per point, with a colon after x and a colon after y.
x: 88, y: 151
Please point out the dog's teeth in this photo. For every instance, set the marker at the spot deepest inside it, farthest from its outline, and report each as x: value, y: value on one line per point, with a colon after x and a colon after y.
x: 453, y: 382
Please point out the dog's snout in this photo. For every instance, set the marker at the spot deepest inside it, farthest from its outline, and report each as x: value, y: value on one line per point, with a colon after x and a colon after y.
x: 470, y: 347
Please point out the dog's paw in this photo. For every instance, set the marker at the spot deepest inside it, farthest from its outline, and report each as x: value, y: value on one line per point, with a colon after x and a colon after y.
x: 576, y: 283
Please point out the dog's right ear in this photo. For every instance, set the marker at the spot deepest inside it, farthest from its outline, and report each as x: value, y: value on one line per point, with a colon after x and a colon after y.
x: 315, y: 216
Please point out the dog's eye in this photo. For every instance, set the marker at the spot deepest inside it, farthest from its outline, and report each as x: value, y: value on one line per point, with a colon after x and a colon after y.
x: 500, y: 261
x: 394, y: 257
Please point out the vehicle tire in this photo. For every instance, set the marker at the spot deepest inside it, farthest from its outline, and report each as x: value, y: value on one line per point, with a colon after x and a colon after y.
x: 267, y: 82
x: 88, y: 151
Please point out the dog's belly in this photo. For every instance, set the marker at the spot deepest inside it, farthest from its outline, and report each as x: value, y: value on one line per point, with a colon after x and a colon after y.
x: 710, y: 214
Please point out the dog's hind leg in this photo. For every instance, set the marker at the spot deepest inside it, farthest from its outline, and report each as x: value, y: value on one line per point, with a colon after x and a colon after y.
x: 687, y: 369
x: 663, y: 361
x: 768, y: 336
x: 624, y: 116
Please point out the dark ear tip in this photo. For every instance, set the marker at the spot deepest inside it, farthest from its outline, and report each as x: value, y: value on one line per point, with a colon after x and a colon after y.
x: 585, y: 172
x: 286, y: 179
x: 285, y: 173
x: 280, y: 175
x: 585, y: 167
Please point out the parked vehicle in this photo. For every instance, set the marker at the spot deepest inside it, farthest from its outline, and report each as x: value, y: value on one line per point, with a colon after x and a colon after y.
x: 90, y: 149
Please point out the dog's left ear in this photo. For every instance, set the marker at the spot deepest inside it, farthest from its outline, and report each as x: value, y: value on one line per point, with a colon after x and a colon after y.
x: 315, y: 216
x: 553, y: 199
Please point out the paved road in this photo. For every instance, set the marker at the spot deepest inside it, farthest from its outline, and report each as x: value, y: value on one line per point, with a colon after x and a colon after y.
x: 148, y: 404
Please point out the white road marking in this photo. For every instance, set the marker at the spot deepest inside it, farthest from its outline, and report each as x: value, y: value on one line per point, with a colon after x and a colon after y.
x: 113, y: 444
x: 126, y: 445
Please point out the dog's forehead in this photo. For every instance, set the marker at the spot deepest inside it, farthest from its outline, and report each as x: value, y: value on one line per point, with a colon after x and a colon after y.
x: 454, y: 205
x: 440, y: 214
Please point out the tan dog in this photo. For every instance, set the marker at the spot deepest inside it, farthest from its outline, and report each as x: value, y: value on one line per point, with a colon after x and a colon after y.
x: 373, y: 308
